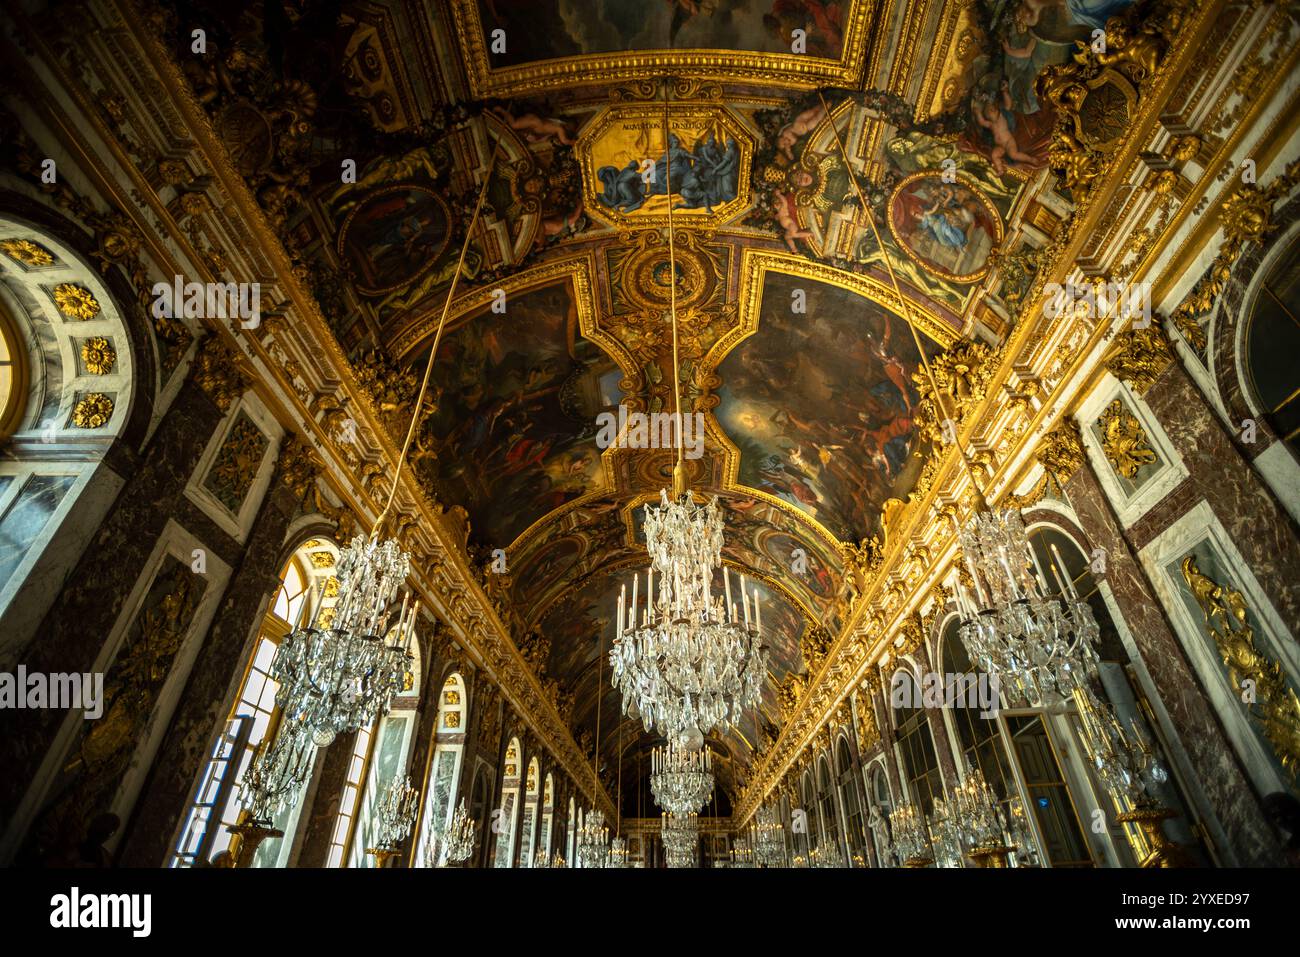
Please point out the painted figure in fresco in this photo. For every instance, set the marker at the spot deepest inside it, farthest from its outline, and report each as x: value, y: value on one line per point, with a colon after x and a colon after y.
x: 622, y: 189
x: 821, y: 22
x: 953, y: 216
x: 394, y: 236
x: 998, y: 120
x: 535, y: 129
x: 714, y: 175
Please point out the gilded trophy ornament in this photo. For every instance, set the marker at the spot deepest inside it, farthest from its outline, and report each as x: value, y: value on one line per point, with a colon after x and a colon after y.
x: 1139, y: 356
x: 1123, y: 440
x: 216, y: 372
x: 1274, y: 705
x: 1061, y: 451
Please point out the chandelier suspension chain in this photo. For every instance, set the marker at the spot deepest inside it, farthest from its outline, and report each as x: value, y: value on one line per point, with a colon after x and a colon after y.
x: 902, y: 301
x: 679, y: 470
x: 437, y: 337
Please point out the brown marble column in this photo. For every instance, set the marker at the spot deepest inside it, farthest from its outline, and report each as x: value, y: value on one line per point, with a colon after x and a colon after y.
x: 204, y: 703
x: 1222, y: 475
x: 1226, y: 787
x: 319, y: 818
x: 72, y: 634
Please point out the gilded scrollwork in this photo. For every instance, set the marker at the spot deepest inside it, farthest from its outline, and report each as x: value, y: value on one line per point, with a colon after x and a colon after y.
x: 1259, y: 680
x: 1139, y: 356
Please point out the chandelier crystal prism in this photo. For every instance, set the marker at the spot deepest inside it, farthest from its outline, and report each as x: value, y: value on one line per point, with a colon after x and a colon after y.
x: 1039, y: 645
x: 681, y: 780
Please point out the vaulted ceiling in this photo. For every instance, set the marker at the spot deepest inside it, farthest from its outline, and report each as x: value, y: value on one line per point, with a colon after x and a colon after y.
x: 794, y: 344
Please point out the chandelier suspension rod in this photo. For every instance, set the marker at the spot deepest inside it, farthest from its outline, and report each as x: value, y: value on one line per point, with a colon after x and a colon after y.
x: 679, y: 469
x: 980, y: 502
x: 437, y: 338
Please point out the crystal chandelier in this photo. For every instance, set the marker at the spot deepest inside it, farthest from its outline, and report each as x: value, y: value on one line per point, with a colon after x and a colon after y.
x: 454, y: 843
x: 970, y: 823
x: 395, y: 813
x: 687, y: 661
x: 681, y: 780
x: 742, y: 852
x: 276, y: 775
x: 911, y: 836
x: 593, y: 840
x: 769, y: 837
x: 681, y: 837
x: 1125, y: 760
x: 826, y: 856
x: 617, y: 853
x: 394, y: 816
x: 1038, y: 645
x: 341, y: 676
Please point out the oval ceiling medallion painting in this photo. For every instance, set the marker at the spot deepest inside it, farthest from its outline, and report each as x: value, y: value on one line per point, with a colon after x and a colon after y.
x: 946, y: 228
x: 393, y: 236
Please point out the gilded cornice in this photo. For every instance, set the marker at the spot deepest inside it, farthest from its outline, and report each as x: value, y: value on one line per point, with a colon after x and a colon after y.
x: 290, y: 351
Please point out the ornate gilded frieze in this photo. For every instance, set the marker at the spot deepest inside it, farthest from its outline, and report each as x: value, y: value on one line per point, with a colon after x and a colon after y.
x: 1096, y: 93
x: 961, y: 374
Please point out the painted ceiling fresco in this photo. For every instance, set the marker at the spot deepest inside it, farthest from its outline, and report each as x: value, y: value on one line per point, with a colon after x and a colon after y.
x: 809, y: 411
x: 820, y: 403
x: 548, y: 29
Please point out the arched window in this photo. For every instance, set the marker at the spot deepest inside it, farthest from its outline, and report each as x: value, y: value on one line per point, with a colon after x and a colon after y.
x: 504, y: 847
x: 442, y: 780
x: 254, y: 719
x: 532, y: 795
x: 548, y: 817
x: 572, y: 833
x: 855, y: 833
x: 1272, y: 341
x: 68, y: 390
x: 915, y: 743
x: 828, y: 812
x: 386, y: 762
